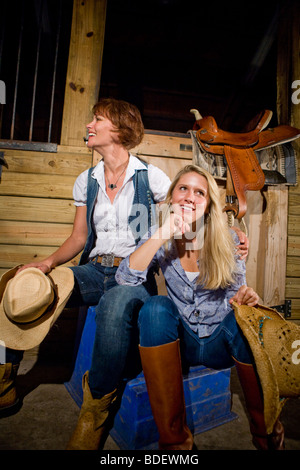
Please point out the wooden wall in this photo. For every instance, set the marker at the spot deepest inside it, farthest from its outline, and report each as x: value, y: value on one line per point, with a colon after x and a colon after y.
x: 288, y: 111
x: 36, y: 206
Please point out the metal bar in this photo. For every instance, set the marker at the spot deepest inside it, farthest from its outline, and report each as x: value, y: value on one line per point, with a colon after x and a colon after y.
x: 12, y: 127
x: 54, y: 72
x: 32, y: 146
x: 36, y: 73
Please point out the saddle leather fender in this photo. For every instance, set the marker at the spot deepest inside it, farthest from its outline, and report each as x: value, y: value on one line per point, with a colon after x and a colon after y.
x: 246, y: 174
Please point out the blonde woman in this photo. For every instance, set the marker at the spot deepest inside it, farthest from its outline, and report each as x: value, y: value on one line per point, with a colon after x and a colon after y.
x: 195, y: 321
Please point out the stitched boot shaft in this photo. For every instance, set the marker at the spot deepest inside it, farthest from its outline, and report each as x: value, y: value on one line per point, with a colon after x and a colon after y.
x: 8, y: 392
x: 163, y: 376
x: 93, y: 416
x: 255, y: 407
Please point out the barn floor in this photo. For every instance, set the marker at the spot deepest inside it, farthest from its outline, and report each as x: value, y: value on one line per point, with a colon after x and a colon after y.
x: 49, y: 414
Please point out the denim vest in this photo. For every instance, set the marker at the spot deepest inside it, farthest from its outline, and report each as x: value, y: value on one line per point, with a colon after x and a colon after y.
x: 142, y: 215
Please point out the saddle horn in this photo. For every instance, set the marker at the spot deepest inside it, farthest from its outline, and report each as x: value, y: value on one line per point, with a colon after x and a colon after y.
x: 196, y: 114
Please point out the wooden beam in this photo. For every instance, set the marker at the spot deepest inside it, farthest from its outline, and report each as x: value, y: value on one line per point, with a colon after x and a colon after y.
x: 13, y: 255
x: 61, y: 163
x: 42, y: 186
x: 84, y: 68
x: 36, y: 210
x: 33, y: 233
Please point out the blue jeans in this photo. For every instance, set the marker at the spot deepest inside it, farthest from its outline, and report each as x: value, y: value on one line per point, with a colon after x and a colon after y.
x: 91, y: 280
x: 160, y: 323
x: 115, y: 356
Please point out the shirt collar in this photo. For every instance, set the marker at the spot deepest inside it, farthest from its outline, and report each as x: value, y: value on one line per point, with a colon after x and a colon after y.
x: 134, y: 164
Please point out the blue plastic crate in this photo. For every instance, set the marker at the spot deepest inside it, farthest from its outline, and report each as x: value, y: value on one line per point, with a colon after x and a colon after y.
x: 208, y: 404
x: 207, y: 398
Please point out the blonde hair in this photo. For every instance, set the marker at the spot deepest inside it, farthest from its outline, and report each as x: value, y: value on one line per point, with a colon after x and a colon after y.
x: 217, y: 255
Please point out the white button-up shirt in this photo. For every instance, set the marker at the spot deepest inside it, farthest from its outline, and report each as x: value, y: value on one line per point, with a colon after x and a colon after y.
x: 110, y: 220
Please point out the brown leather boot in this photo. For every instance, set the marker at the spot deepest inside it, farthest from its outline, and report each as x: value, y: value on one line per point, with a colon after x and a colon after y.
x: 92, y: 419
x: 254, y: 403
x: 9, y: 401
x: 163, y: 376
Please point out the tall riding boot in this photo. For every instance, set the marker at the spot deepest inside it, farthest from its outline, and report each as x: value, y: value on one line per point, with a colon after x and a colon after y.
x: 163, y: 376
x: 254, y: 403
x: 92, y: 421
x: 9, y: 401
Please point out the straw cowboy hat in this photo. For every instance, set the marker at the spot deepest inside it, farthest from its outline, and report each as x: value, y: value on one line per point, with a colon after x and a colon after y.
x: 275, y: 344
x: 30, y: 303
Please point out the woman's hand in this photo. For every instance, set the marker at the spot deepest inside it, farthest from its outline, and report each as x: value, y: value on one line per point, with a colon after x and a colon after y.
x: 245, y: 296
x: 140, y: 259
x: 42, y: 266
x: 174, y: 225
x: 243, y: 247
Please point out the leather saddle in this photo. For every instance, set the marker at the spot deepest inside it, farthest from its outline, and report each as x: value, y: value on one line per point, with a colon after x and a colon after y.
x: 245, y: 172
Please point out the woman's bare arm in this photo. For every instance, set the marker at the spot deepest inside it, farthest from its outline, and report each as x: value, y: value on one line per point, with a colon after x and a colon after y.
x: 70, y: 248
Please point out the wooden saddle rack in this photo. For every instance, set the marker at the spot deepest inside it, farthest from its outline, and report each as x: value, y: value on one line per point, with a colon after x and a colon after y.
x: 238, y: 149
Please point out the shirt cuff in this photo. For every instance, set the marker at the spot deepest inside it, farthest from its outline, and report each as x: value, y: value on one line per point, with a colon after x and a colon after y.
x: 128, y: 276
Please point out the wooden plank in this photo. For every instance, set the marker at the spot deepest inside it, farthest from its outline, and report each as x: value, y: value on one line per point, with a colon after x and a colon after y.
x: 295, y: 309
x: 276, y: 238
x: 84, y: 68
x: 294, y: 225
x: 293, y: 266
x: 80, y: 149
x: 49, y: 163
x: 44, y: 186
x: 33, y: 233
x: 294, y: 203
x: 292, y: 288
x: 36, y: 210
x: 165, y: 146
x: 266, y: 219
x: 294, y: 246
x: 13, y: 255
x: 170, y: 166
x: 255, y: 263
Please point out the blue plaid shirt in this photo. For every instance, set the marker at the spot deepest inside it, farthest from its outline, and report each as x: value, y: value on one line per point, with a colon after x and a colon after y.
x: 202, y: 309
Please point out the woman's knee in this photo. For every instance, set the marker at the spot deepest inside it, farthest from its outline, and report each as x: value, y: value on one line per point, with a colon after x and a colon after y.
x: 240, y: 349
x: 158, y: 321
x: 155, y: 310
x: 120, y: 302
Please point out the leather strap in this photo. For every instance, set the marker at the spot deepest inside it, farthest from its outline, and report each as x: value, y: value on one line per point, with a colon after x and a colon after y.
x: 246, y: 174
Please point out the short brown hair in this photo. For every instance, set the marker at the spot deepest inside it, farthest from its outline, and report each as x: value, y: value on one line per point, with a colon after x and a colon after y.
x: 125, y: 117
